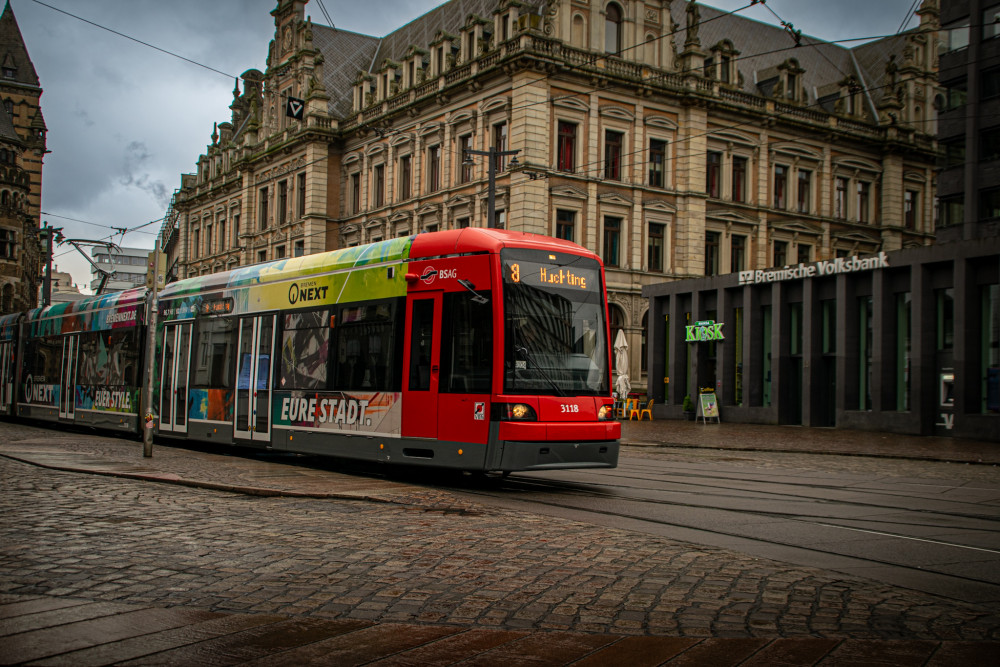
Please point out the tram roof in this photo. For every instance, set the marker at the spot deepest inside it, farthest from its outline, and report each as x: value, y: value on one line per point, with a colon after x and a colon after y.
x: 90, y: 304
x: 392, y: 251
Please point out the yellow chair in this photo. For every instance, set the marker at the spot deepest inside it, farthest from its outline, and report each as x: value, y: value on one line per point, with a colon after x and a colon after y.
x: 633, y: 409
x: 648, y: 411
x: 619, y: 408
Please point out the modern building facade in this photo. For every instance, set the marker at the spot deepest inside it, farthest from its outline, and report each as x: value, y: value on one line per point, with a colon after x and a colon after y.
x: 128, y: 266
x: 22, y: 149
x: 969, y: 121
x: 905, y: 341
x: 673, y: 139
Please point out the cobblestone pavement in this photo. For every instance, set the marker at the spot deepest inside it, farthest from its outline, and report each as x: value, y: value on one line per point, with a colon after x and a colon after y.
x: 419, y: 557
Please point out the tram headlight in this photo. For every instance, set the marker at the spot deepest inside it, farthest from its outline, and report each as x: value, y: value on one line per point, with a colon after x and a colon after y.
x: 606, y: 412
x: 519, y: 412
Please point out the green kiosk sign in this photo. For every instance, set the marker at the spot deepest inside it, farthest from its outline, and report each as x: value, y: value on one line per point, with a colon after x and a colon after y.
x: 704, y: 331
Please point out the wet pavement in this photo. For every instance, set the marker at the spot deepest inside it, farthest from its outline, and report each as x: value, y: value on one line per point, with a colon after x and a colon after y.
x: 243, y: 560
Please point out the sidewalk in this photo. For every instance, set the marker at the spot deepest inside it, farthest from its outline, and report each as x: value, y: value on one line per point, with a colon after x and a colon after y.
x: 73, y: 630
x: 805, y: 440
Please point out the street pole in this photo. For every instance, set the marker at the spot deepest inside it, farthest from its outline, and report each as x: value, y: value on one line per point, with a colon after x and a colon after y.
x: 47, y: 278
x: 491, y: 188
x: 152, y: 307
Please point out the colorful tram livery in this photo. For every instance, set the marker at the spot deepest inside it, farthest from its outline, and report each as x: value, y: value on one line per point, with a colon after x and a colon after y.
x: 80, y: 361
x: 473, y: 349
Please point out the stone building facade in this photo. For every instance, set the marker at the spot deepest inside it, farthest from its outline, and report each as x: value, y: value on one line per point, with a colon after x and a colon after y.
x: 673, y: 139
x: 22, y: 150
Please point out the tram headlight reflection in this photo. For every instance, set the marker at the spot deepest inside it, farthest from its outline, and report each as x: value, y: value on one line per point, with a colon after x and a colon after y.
x: 517, y: 412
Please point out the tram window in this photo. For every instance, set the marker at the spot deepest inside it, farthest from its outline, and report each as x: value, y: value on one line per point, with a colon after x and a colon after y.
x: 365, y: 347
x: 421, y: 337
x: 466, y: 344
x: 215, y: 343
x: 43, y: 359
x: 109, y: 357
x: 305, y: 346
x: 91, y: 371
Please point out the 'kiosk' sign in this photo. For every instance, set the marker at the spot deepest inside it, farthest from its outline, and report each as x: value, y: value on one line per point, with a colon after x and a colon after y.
x: 704, y: 331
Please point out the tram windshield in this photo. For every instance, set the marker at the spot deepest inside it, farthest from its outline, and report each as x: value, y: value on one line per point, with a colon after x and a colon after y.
x: 554, y: 327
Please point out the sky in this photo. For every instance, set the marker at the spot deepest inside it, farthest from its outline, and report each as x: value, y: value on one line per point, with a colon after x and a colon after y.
x: 125, y: 120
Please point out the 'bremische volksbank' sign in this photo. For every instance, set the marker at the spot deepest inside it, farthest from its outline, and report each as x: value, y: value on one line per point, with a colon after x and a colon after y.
x: 828, y: 267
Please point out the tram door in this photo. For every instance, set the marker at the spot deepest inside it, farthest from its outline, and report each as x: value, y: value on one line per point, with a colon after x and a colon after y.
x: 253, y: 379
x: 420, y: 388
x: 174, y: 377
x: 67, y: 377
x: 6, y: 375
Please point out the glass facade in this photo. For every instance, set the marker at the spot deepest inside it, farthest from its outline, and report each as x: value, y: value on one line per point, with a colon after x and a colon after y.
x: 906, y: 341
x: 990, y: 341
x: 903, y: 314
x: 865, y: 335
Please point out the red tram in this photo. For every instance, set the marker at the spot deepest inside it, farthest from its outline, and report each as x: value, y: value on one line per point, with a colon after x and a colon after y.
x: 472, y: 349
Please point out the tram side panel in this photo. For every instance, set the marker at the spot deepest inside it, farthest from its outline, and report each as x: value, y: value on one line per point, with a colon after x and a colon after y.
x: 82, y: 362
x: 10, y: 353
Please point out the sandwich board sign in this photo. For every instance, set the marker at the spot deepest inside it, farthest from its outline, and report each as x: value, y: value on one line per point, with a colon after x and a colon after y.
x: 708, y: 406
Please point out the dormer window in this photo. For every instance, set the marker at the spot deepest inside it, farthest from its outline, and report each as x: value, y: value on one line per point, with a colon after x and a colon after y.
x: 9, y: 73
x: 792, y: 86
x: 721, y: 64
x: 850, y: 95
x: 791, y: 77
x: 470, y: 46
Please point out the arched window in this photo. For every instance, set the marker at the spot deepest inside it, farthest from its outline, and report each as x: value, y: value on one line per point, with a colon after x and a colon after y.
x: 652, y: 53
x: 579, y: 36
x: 613, y: 28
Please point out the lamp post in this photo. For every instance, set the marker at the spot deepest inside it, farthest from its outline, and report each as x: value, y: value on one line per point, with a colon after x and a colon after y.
x: 492, y: 154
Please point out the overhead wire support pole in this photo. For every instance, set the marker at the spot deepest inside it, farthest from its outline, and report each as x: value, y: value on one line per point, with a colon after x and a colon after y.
x: 152, y: 308
x: 492, y: 154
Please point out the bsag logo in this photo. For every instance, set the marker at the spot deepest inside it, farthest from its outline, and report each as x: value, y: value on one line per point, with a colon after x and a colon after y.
x: 430, y: 273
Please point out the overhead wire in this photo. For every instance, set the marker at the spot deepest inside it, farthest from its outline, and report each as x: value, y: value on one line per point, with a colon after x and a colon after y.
x: 595, y: 58
x: 134, y: 39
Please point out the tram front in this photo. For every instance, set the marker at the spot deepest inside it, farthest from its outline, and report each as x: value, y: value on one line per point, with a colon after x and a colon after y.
x: 556, y: 409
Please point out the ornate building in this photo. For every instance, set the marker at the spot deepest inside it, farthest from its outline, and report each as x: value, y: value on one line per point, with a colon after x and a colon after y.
x: 22, y: 149
x: 673, y: 139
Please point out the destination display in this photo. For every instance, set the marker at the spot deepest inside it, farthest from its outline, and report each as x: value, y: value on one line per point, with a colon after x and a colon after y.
x: 540, y: 274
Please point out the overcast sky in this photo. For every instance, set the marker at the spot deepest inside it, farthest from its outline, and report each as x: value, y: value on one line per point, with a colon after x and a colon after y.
x: 126, y: 120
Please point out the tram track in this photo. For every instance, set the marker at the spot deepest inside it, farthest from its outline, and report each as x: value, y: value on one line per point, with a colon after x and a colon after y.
x: 939, y: 545
x: 572, y: 487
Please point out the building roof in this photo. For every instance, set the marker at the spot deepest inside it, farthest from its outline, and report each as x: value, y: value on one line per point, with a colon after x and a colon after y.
x: 13, y: 53
x: 346, y: 53
x: 762, y: 48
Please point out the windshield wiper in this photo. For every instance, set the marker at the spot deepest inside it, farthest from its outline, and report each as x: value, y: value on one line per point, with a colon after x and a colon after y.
x: 520, y: 349
x: 477, y: 297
